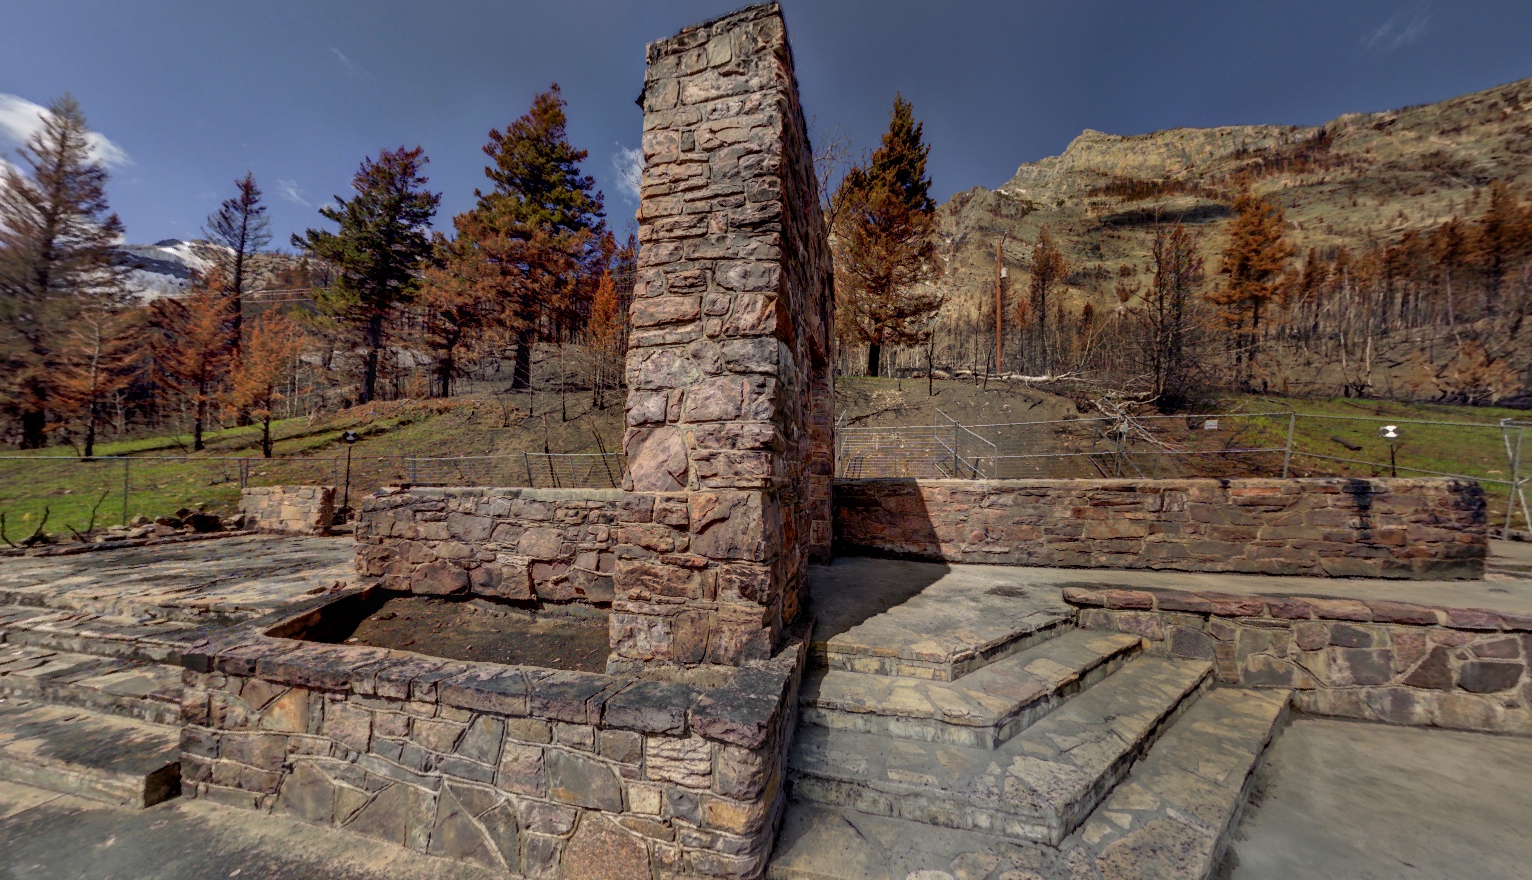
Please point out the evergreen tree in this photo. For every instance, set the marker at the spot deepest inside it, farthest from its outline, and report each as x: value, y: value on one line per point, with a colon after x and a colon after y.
x: 263, y: 368
x: 1049, y: 268
x: 604, y: 335
x: 1256, y: 252
x: 57, y: 253
x: 241, y: 225
x: 527, y: 256
x: 883, y: 242
x: 1168, y: 345
x: 195, y: 347
x: 101, y: 357
x: 377, y: 251
x: 1500, y: 238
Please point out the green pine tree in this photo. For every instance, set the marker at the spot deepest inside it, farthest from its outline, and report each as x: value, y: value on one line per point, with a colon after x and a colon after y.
x: 883, y: 242
x: 379, y: 248
x: 532, y: 249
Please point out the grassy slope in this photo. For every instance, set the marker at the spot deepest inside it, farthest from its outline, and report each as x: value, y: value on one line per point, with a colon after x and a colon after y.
x: 1385, y: 173
x: 307, y: 452
x: 165, y: 475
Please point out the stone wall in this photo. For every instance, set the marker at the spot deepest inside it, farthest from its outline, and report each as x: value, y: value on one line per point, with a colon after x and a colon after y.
x: 288, y: 510
x: 1393, y: 662
x: 553, y: 545
x: 537, y: 772
x: 1392, y: 528
x: 728, y: 366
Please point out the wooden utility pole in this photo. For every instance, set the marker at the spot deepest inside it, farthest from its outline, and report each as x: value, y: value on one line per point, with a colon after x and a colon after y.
x: 999, y: 300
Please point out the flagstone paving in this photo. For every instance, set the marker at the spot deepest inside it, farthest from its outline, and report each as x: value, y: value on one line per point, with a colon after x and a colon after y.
x: 224, y: 579
x: 926, y: 620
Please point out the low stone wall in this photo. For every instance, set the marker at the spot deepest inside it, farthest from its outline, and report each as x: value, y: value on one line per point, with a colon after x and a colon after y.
x: 1394, y: 662
x: 1392, y: 528
x: 537, y: 772
x: 288, y: 510
x: 554, y: 545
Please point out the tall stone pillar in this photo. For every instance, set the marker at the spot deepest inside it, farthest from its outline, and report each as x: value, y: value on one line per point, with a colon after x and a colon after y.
x: 729, y: 416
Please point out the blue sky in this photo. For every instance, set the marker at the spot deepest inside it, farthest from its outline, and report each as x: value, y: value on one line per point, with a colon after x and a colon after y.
x: 190, y: 95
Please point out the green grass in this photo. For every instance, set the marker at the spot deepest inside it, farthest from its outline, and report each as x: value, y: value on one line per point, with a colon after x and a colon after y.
x: 1434, y: 437
x: 164, y: 476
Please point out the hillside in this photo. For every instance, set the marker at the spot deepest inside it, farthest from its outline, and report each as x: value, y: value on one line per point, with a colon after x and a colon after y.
x: 1373, y: 175
x: 1357, y: 181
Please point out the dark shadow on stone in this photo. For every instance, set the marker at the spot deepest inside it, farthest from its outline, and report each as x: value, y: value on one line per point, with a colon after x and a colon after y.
x: 840, y: 602
x: 1205, y: 212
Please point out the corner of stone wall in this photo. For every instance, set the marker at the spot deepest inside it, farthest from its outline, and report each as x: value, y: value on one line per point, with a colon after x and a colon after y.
x: 288, y: 510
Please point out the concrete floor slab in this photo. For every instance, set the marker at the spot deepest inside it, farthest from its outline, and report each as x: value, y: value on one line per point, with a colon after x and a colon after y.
x: 47, y: 836
x: 1363, y: 801
x: 854, y: 588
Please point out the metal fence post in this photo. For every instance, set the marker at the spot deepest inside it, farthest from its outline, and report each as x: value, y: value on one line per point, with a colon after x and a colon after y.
x: 125, y: 460
x: 1514, y: 495
x: 1287, y: 454
x: 526, y: 462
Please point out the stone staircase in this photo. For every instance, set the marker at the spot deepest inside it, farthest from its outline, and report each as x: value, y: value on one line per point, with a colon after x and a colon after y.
x: 1076, y: 756
x: 87, y: 707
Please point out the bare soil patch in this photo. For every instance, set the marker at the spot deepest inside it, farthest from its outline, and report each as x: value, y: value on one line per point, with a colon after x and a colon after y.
x: 573, y: 638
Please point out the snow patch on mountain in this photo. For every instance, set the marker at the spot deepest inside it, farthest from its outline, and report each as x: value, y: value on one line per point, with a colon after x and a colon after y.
x: 165, y: 268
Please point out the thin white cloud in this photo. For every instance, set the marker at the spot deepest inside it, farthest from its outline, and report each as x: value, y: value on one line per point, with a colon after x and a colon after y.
x: 20, y: 118
x: 290, y: 190
x: 1400, y: 30
x: 351, y: 69
x: 628, y: 162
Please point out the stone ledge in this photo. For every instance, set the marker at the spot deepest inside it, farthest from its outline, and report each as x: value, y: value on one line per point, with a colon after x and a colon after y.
x: 1293, y: 608
x: 1408, y: 529
x: 1466, y: 669
x: 740, y: 713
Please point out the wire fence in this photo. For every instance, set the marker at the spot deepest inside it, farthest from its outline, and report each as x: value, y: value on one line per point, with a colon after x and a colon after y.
x: 1273, y: 444
x: 59, y: 493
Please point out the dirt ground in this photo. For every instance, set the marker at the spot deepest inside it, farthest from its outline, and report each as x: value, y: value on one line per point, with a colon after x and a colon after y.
x: 481, y: 632
x: 866, y: 402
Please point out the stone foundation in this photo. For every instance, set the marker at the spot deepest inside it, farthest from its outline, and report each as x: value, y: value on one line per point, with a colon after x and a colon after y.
x: 1394, y: 662
x: 1391, y: 528
x: 288, y: 510
x: 552, y: 545
x: 538, y: 772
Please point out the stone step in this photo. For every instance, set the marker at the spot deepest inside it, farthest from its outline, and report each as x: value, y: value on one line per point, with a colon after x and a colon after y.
x: 1168, y: 819
x: 78, y: 632
x: 79, y: 752
x: 1513, y: 569
x: 130, y: 689
x: 819, y: 842
x: 1174, y: 814
x: 983, y: 709
x: 1038, y: 786
x: 938, y: 622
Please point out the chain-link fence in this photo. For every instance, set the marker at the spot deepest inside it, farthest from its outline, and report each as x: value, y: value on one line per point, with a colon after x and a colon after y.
x: 1276, y: 444
x: 57, y: 494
